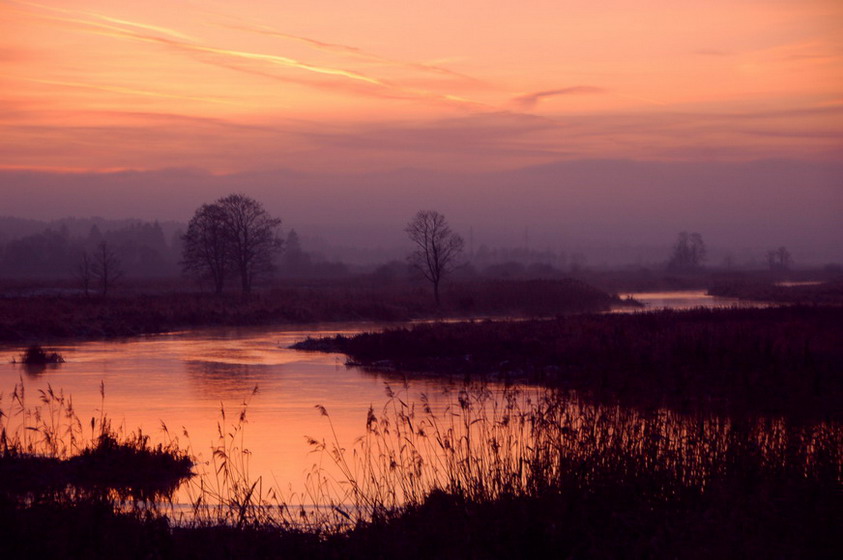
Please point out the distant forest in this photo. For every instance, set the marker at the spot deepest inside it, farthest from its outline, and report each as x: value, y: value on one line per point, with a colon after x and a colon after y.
x: 32, y: 249
x: 149, y: 250
x: 40, y: 250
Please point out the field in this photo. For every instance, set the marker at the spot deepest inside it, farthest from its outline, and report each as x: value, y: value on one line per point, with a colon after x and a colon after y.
x: 42, y: 317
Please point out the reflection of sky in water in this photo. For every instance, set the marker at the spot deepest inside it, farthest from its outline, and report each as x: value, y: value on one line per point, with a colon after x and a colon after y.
x: 687, y: 299
x: 183, y: 380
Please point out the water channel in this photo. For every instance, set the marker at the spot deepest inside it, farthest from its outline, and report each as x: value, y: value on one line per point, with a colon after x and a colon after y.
x: 182, y: 380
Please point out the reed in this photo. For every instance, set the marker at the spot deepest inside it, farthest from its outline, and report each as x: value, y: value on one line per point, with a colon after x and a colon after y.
x: 48, y: 456
x: 491, y: 466
x: 486, y: 470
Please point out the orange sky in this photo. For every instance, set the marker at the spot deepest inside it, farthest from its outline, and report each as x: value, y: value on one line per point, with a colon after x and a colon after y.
x: 469, y: 85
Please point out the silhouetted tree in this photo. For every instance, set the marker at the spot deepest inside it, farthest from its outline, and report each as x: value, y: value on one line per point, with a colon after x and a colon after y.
x: 436, y: 247
x: 85, y: 272
x: 106, y: 268
x: 779, y: 259
x: 688, y: 253
x: 233, y: 235
x: 206, y: 243
x: 253, y: 237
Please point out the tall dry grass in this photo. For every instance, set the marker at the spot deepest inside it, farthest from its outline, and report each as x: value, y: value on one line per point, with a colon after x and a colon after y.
x: 483, y: 443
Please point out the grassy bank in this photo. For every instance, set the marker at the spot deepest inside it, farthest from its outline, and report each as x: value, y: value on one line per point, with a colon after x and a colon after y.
x: 40, y: 318
x: 778, y: 361
x: 820, y: 293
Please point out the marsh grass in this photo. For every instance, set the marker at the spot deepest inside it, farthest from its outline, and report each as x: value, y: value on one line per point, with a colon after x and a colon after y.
x: 499, y: 471
x: 775, y: 362
x: 53, y: 317
x: 483, y: 443
x: 48, y: 456
x: 485, y: 470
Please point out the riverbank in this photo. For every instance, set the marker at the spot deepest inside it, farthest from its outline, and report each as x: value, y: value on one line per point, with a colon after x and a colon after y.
x: 776, y: 361
x: 806, y: 292
x: 45, y: 318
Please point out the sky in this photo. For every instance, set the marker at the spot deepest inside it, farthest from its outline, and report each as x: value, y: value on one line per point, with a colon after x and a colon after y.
x: 330, y: 98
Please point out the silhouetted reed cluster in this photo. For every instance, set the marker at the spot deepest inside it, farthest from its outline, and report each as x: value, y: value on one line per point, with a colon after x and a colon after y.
x: 495, y: 471
x: 36, y: 355
x: 48, y: 456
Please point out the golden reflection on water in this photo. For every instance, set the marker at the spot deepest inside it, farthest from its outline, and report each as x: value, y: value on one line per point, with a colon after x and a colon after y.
x: 682, y: 299
x: 179, y: 386
x: 184, y: 380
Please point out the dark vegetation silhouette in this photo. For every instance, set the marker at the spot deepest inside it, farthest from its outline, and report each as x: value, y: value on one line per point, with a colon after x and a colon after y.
x: 205, y: 246
x: 779, y: 259
x: 436, y: 247
x: 42, y: 316
x: 36, y: 355
x: 56, y: 252
x: 777, y: 361
x: 689, y: 252
x: 496, y: 473
x: 106, y: 268
x: 233, y: 235
x: 85, y: 273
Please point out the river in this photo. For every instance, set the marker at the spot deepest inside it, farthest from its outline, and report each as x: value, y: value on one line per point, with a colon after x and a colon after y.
x: 184, y: 380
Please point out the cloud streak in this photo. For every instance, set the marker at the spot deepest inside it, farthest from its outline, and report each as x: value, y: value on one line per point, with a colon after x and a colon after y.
x: 237, y: 59
x: 528, y: 101
x: 347, y: 50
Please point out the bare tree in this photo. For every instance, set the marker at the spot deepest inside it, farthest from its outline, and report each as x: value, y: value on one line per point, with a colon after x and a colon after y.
x: 252, y: 237
x: 206, y: 245
x: 689, y: 252
x: 436, y: 247
x: 234, y: 235
x: 779, y: 259
x: 85, y: 272
x: 106, y: 268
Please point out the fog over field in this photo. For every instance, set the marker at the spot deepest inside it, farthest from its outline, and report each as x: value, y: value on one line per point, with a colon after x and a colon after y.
x: 562, y: 126
x: 618, y: 212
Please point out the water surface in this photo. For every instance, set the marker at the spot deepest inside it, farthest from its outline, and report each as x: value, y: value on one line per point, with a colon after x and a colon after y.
x: 183, y: 381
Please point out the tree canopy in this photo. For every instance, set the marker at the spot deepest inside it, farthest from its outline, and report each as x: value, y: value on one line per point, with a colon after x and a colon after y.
x: 233, y: 236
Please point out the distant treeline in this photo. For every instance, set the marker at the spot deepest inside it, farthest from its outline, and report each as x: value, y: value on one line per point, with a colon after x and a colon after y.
x: 145, y: 249
x: 36, y: 250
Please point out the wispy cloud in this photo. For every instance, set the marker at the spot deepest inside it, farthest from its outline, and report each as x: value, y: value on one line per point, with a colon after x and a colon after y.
x: 530, y: 100
x: 239, y: 60
x: 102, y: 17
x: 347, y: 50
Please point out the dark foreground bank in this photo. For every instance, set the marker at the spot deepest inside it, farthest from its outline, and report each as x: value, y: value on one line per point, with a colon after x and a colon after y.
x: 551, y: 478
